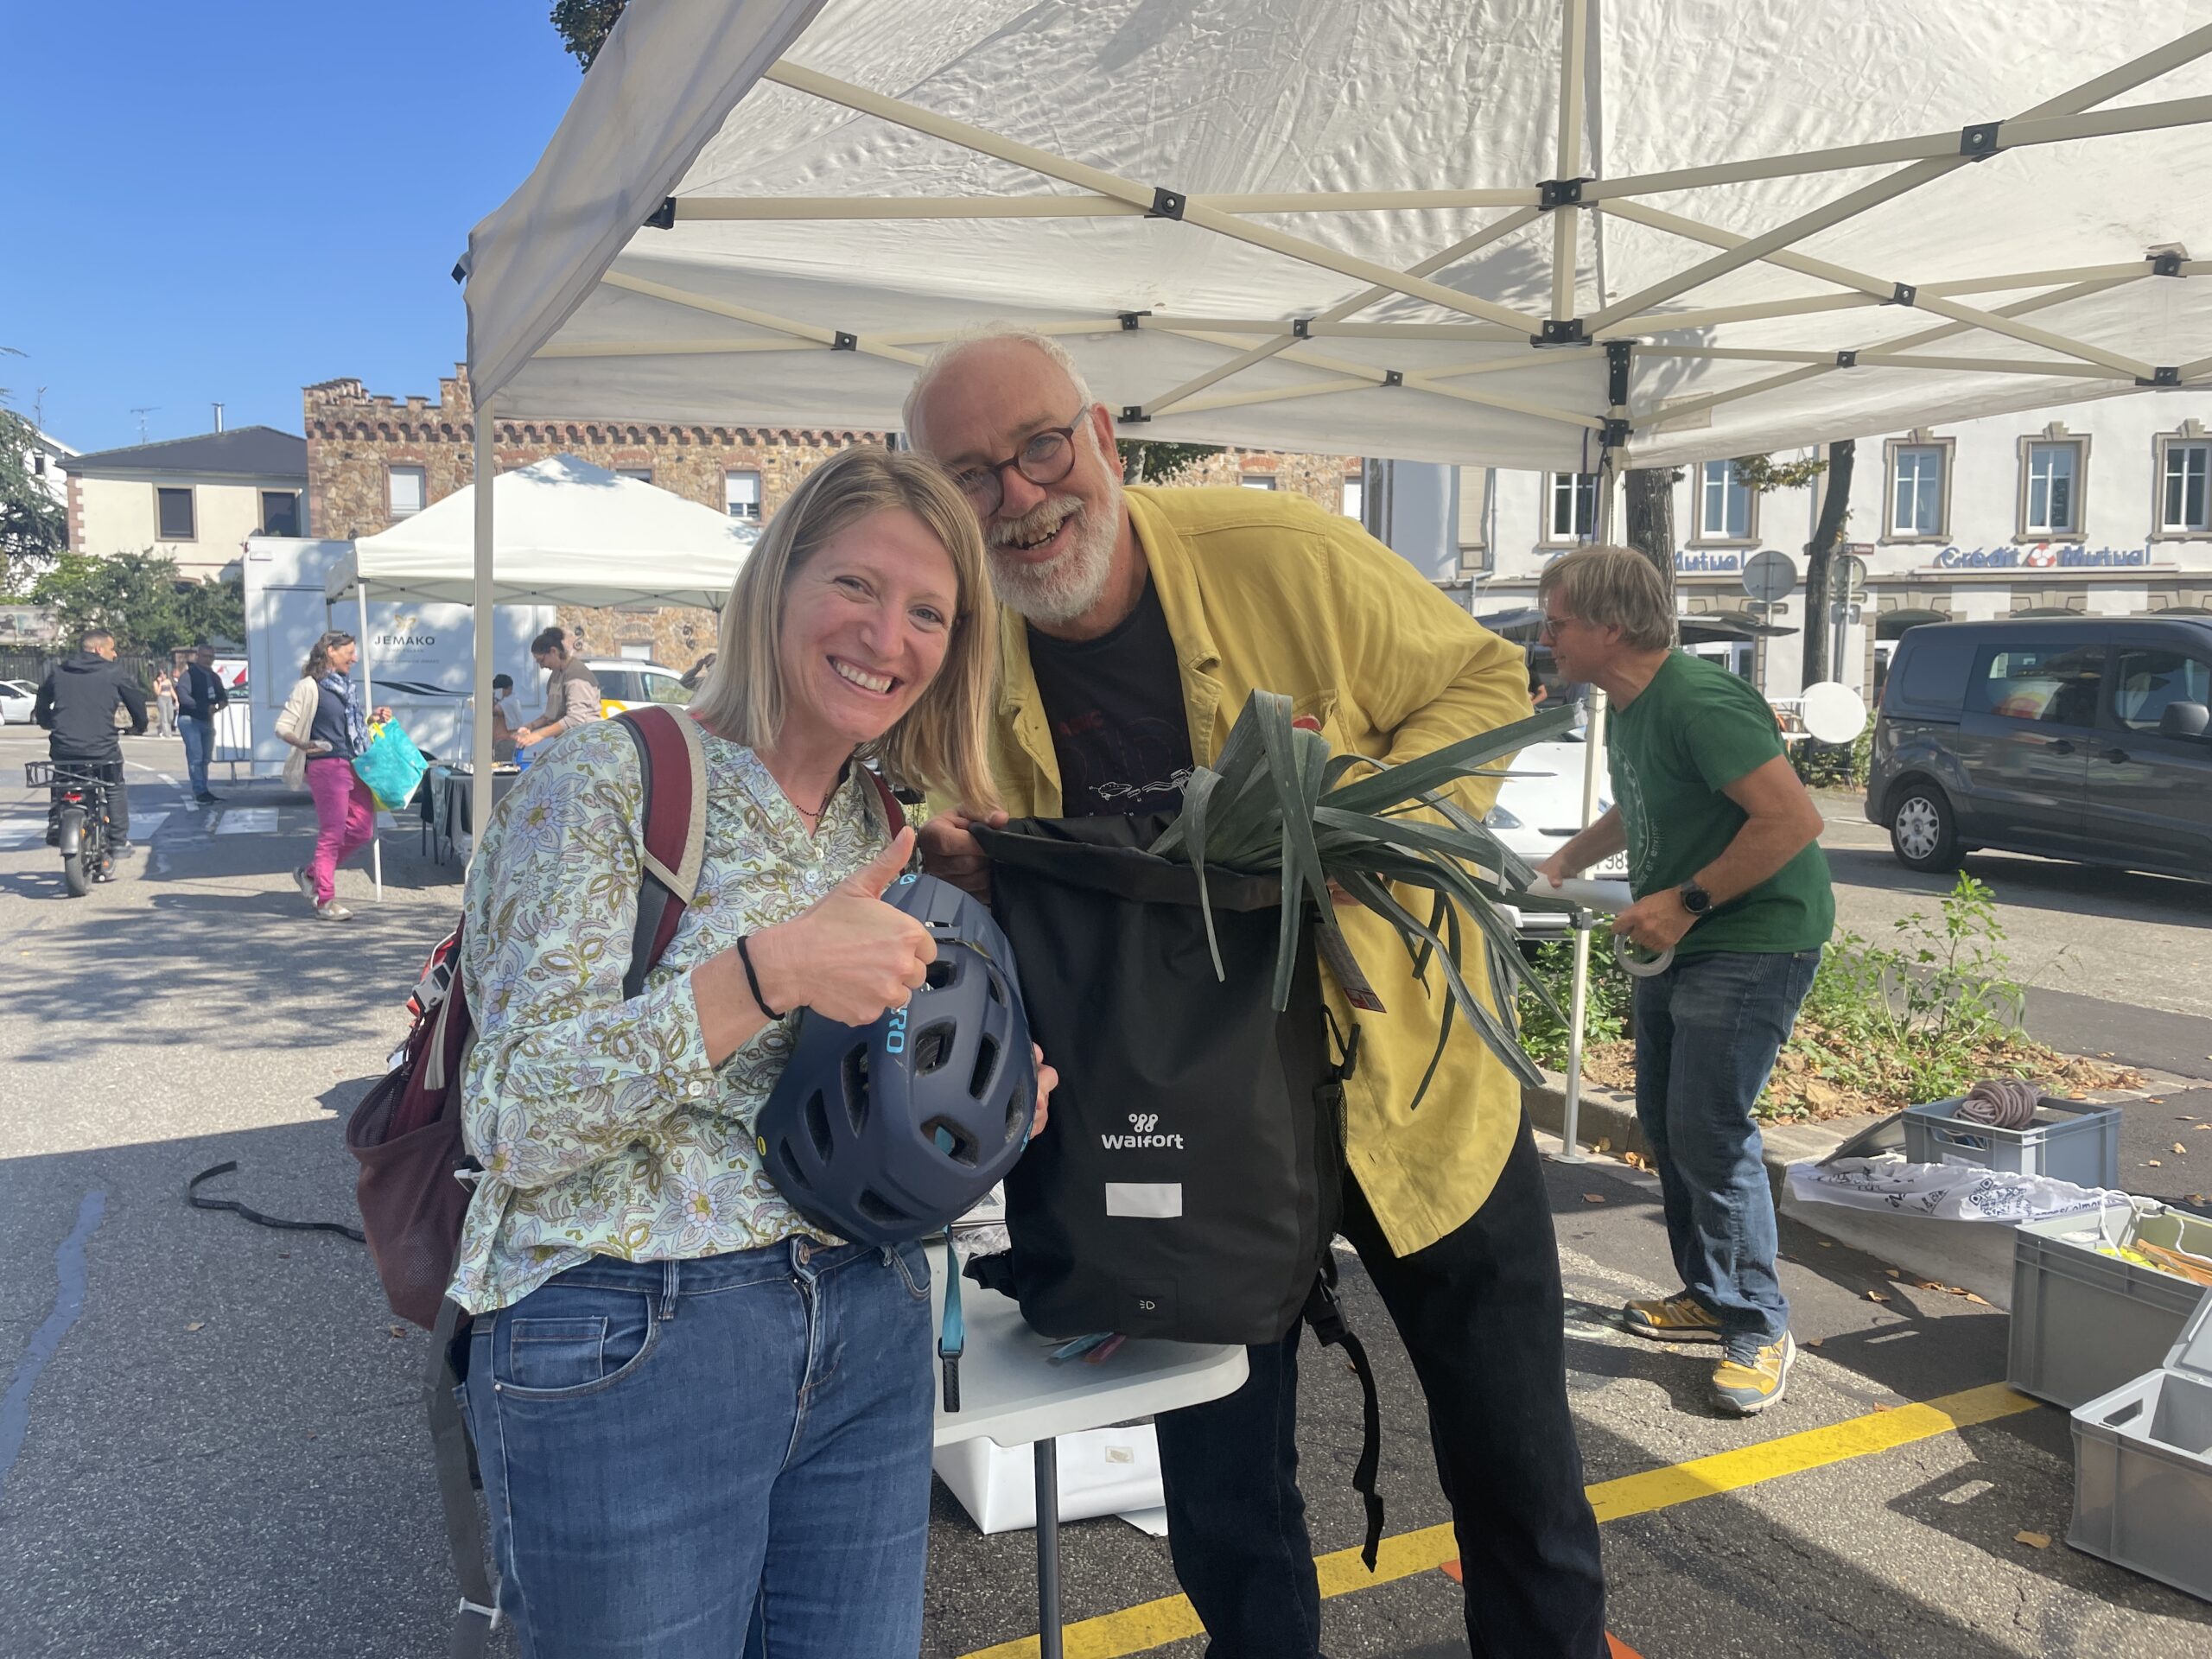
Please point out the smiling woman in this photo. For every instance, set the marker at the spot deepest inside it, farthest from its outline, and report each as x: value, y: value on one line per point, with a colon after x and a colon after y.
x: 649, y: 1308
x: 853, y: 629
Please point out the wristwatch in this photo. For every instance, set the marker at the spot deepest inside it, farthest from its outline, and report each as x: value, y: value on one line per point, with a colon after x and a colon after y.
x: 1695, y: 900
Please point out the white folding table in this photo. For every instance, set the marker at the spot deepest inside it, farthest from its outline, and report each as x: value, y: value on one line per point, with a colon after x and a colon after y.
x: 1012, y: 1394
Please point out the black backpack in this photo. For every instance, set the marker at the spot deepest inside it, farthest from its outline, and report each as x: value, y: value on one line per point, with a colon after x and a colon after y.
x: 1192, y: 1180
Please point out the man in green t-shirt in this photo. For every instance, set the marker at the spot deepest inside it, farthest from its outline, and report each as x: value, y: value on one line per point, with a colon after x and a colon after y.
x: 1725, y: 865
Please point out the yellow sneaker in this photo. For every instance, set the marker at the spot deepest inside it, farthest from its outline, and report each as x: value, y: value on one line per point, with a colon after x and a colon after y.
x: 1748, y: 1380
x: 1672, y: 1318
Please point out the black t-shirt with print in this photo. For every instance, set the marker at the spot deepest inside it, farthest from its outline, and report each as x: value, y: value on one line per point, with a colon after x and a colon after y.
x: 1114, y: 705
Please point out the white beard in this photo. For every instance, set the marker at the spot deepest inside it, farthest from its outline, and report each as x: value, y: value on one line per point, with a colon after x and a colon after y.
x: 1069, y: 585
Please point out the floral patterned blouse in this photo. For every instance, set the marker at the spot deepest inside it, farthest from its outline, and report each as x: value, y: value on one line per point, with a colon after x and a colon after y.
x: 601, y: 1126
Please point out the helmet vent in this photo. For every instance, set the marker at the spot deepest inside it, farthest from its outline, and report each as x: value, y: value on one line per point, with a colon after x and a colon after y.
x: 940, y: 974
x: 933, y: 1047
x: 997, y: 989
x: 815, y: 1115
x: 986, y: 1067
x: 792, y: 1172
x: 952, y: 1141
x: 854, y: 1071
x: 883, y: 1213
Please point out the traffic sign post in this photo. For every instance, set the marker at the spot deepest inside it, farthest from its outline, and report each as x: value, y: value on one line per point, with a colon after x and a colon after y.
x: 1769, y: 578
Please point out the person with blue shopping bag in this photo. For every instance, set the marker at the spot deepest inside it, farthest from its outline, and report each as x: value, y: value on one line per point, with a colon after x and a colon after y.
x: 333, y: 735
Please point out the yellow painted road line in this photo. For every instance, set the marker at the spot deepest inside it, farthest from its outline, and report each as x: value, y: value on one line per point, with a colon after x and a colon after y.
x: 1155, y: 1623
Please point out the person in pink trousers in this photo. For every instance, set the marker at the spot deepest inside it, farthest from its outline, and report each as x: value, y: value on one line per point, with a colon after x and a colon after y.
x: 322, y: 720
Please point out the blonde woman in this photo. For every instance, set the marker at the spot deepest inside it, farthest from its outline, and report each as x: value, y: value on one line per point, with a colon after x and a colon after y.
x: 695, y: 1414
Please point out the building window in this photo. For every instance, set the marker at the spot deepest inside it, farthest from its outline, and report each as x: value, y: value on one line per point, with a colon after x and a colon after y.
x: 741, y: 494
x: 403, y: 490
x: 1570, y: 506
x: 172, y: 515
x: 1355, y: 498
x: 1919, y: 506
x: 2051, y: 476
x: 1724, y: 504
x: 1257, y: 480
x: 642, y: 475
x: 280, y: 512
x: 38, y: 464
x: 2184, y: 487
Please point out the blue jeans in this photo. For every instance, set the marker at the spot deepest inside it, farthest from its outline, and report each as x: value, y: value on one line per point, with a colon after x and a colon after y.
x: 198, y: 735
x: 690, y: 1459
x: 1706, y: 1034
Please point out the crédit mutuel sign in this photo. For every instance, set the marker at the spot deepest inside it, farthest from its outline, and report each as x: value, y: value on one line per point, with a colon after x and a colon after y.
x: 2040, y: 556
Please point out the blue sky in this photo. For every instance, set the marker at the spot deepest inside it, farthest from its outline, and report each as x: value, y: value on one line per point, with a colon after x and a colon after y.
x: 226, y: 201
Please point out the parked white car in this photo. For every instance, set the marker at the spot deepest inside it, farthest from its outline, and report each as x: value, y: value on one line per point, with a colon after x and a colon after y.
x: 627, y: 683
x: 17, y: 698
x: 1539, y: 809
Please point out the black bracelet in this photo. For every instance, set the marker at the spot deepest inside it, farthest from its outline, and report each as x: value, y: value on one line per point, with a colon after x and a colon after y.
x: 752, y: 979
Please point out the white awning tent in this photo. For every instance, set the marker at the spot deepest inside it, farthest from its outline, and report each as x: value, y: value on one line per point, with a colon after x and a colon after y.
x: 1565, y: 234
x: 569, y: 533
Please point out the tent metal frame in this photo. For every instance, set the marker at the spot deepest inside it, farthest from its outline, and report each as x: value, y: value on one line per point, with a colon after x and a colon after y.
x: 2070, y: 117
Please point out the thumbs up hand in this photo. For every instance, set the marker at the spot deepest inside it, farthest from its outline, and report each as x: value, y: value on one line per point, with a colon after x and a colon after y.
x: 852, y: 957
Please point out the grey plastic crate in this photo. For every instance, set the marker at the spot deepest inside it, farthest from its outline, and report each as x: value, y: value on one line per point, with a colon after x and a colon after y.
x: 2072, y: 1141
x: 2084, y: 1323
x: 2143, y: 1467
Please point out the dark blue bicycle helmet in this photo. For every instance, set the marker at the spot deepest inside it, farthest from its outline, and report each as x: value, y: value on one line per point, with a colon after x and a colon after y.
x: 884, y: 1133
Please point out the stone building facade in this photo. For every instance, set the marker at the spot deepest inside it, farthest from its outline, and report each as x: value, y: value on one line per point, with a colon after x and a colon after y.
x: 373, y: 459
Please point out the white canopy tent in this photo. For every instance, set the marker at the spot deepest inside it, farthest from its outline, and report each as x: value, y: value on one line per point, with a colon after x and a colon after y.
x: 1529, y: 233
x: 569, y: 533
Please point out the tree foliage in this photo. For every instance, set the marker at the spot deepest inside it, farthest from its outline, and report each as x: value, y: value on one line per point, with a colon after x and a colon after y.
x: 1759, y: 473
x: 138, y: 597
x: 1144, y: 462
x: 34, y: 529
x: 584, y: 25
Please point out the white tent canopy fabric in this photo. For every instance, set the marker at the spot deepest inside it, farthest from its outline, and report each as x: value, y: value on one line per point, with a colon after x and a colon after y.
x: 569, y: 533
x: 1521, y: 232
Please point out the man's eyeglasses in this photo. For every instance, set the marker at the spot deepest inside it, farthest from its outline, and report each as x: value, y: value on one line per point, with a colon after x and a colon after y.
x: 1046, y: 458
x: 1551, y: 624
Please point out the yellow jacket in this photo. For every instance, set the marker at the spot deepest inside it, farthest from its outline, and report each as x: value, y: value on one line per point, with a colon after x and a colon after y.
x: 1268, y: 592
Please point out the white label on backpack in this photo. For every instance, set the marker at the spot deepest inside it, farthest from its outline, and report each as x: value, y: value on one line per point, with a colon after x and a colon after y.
x: 1145, y: 1200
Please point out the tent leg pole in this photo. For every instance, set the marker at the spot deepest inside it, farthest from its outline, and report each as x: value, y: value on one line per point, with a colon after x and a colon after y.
x: 1593, y: 762
x: 480, y: 733
x: 369, y: 698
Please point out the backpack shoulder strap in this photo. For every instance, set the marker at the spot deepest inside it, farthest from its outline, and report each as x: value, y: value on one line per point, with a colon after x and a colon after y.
x: 894, y: 814
x: 672, y: 764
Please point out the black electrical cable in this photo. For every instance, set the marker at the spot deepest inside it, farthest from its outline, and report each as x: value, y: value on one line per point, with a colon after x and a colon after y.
x: 192, y: 1196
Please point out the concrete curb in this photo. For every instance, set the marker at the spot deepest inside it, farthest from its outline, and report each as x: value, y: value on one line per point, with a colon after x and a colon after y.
x: 1609, y: 1115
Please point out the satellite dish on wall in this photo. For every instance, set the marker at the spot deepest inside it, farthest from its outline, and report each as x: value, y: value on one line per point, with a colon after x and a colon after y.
x: 1834, y: 713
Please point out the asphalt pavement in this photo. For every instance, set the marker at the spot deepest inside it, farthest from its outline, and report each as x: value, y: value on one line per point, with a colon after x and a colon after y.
x: 212, y: 1444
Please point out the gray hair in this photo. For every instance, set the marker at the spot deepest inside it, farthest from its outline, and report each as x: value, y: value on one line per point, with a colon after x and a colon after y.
x: 1614, y: 587
x: 943, y: 357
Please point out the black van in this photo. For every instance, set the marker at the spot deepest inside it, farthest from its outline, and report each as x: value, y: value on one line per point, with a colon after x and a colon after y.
x: 2084, y: 738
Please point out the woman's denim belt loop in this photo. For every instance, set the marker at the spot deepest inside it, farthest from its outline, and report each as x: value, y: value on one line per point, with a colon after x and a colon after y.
x: 671, y: 1273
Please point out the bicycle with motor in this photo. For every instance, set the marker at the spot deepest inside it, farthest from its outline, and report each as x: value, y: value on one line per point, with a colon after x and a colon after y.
x: 84, y: 830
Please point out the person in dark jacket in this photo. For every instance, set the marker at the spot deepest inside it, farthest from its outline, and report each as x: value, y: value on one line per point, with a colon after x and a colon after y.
x: 76, y: 704
x: 200, y: 696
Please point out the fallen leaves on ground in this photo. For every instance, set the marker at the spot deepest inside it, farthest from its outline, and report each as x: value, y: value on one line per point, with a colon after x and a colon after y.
x: 197, y: 1325
x: 2032, y: 1540
x: 1798, y: 1091
x: 1876, y: 1296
